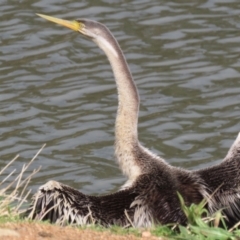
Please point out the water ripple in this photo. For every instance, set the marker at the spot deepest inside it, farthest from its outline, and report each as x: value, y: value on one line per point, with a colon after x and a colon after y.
x: 57, y: 88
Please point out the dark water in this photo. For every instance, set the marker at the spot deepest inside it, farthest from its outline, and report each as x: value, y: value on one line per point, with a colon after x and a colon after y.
x: 57, y: 88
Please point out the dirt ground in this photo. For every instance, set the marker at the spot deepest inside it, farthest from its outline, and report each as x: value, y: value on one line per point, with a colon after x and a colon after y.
x: 36, y: 231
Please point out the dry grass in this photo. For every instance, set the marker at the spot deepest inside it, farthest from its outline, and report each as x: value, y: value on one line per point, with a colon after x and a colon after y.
x: 14, y: 194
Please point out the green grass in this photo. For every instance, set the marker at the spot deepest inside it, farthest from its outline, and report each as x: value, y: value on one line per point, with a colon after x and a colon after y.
x: 201, y: 226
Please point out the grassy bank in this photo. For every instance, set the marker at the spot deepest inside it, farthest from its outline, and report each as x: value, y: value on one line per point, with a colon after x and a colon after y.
x: 11, y: 226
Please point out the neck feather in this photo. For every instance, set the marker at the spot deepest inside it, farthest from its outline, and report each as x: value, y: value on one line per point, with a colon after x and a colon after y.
x: 126, y: 133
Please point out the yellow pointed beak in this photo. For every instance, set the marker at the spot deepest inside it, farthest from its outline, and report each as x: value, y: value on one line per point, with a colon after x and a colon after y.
x: 74, y: 25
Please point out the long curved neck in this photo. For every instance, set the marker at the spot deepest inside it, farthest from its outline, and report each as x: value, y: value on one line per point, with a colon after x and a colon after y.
x: 126, y: 133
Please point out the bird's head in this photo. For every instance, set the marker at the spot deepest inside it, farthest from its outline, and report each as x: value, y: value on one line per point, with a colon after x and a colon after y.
x: 96, y: 31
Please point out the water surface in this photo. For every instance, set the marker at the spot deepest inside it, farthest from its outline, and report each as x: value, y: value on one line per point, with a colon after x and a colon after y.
x: 57, y: 88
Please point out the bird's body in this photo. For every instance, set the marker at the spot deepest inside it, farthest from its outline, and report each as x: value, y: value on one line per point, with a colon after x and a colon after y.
x: 150, y: 194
